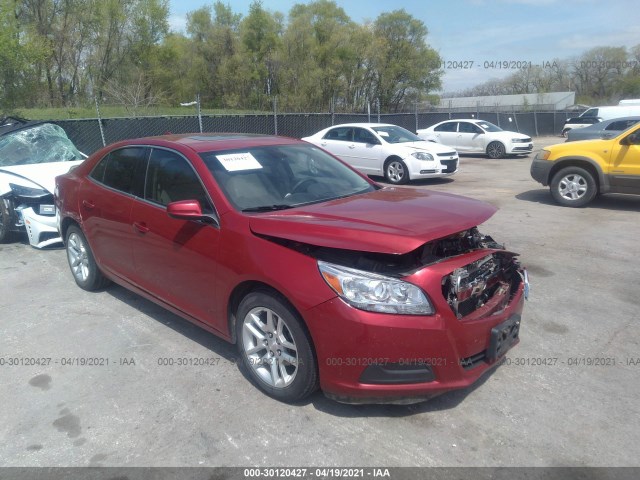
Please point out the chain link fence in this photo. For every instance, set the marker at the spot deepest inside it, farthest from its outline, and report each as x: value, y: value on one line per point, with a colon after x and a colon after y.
x: 88, y: 137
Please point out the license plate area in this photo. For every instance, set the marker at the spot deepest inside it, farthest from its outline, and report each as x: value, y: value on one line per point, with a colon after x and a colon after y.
x: 503, y: 337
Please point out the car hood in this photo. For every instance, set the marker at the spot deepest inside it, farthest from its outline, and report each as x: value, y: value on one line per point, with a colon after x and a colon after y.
x: 427, y: 146
x: 507, y: 135
x: 42, y: 174
x: 390, y: 220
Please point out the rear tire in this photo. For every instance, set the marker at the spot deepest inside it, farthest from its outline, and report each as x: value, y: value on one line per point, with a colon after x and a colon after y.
x: 573, y: 187
x: 82, y: 263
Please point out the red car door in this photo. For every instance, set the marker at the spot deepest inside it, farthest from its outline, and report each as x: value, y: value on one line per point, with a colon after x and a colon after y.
x: 176, y: 260
x: 105, y: 200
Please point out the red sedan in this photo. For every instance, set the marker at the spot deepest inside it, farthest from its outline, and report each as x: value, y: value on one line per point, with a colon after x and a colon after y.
x: 320, y: 276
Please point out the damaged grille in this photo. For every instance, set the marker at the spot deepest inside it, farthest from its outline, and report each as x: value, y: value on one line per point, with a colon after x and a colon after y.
x: 489, y: 282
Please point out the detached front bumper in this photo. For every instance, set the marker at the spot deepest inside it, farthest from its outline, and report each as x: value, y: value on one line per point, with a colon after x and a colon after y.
x: 404, y: 359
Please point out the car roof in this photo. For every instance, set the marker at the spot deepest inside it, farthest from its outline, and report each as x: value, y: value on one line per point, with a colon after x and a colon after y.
x: 620, y: 119
x: 207, y: 142
x: 364, y: 124
x: 604, y: 124
x: 463, y: 120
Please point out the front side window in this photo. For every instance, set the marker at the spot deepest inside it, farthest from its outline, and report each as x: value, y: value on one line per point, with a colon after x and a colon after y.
x: 466, y: 127
x: 284, y: 176
x: 118, y: 169
x: 170, y: 178
x: 362, y: 135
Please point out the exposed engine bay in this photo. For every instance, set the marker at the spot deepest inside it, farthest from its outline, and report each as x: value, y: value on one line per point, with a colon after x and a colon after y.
x: 490, y: 281
x: 398, y: 265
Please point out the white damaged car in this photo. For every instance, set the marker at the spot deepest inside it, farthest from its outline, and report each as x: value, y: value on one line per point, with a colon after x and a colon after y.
x: 385, y: 149
x: 32, y: 155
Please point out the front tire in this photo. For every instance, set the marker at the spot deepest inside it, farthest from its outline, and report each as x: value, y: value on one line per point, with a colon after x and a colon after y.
x: 396, y: 171
x: 496, y: 150
x: 573, y: 187
x: 275, y: 348
x: 6, y: 234
x: 82, y: 263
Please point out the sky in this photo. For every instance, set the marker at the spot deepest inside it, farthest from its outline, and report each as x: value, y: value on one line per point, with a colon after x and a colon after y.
x: 477, y: 38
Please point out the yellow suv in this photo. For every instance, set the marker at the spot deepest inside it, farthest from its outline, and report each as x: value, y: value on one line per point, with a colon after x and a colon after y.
x: 577, y: 171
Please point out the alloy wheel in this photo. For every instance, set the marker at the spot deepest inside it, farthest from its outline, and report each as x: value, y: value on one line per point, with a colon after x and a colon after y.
x: 78, y: 257
x: 573, y: 186
x: 269, y: 347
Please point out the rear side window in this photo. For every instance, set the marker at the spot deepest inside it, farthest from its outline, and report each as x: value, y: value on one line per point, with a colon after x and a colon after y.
x: 447, y: 127
x: 344, y: 134
x: 170, y: 178
x: 118, y: 169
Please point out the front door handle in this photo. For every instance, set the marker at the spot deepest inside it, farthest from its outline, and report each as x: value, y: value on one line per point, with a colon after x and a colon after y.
x: 88, y: 204
x: 141, y: 227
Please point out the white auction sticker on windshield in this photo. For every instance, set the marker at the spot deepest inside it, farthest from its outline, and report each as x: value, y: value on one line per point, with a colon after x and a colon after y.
x: 236, y: 162
x: 383, y: 134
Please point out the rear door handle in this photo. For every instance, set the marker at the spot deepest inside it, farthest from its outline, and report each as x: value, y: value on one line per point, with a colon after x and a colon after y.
x: 88, y: 204
x: 352, y: 146
x: 141, y: 227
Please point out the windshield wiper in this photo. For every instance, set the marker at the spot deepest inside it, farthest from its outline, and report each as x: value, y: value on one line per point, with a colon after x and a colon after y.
x: 267, y: 208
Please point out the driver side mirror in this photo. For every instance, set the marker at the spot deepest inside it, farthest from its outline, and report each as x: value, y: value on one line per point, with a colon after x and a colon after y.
x: 187, y: 210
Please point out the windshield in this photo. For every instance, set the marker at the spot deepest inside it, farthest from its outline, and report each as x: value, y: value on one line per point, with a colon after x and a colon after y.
x: 284, y: 176
x: 395, y: 134
x: 489, y: 127
x: 44, y: 143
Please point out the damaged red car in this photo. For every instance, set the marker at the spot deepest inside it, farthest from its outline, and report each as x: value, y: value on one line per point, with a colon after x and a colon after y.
x: 323, y: 278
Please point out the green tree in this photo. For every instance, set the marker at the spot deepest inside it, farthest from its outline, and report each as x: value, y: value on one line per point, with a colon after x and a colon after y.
x: 405, y: 66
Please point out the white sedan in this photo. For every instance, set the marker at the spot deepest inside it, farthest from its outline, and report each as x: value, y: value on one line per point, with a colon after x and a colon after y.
x: 389, y: 150
x: 478, y: 136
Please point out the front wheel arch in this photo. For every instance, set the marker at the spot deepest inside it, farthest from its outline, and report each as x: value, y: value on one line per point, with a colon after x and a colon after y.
x: 306, y: 376
x: 245, y: 288
x: 496, y: 150
x: 573, y: 187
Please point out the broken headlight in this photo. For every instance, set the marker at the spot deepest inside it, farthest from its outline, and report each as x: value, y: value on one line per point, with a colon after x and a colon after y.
x: 375, y: 293
x: 28, y: 192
